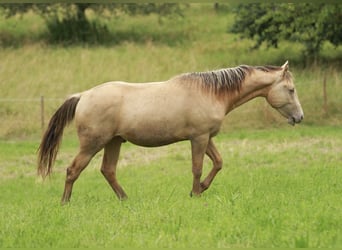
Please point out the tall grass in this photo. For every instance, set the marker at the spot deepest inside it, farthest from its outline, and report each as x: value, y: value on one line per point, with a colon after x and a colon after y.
x: 31, y: 72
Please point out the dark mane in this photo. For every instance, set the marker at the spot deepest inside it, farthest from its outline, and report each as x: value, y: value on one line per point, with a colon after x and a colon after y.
x: 268, y: 68
x: 226, y: 80
x: 219, y: 81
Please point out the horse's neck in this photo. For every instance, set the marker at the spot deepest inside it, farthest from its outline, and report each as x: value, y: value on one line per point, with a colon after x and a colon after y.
x: 255, y: 85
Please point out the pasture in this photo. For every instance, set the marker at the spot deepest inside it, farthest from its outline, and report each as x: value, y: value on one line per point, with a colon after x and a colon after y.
x: 280, y: 186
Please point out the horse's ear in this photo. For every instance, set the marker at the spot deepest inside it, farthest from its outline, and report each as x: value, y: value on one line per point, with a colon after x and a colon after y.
x: 285, y: 68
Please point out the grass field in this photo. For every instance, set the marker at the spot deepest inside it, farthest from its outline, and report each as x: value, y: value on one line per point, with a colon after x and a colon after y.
x: 280, y: 186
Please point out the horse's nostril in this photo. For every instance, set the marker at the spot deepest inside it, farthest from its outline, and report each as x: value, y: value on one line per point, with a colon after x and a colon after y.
x: 300, y: 119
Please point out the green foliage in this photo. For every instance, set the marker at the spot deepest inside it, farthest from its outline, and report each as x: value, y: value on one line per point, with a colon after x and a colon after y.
x: 74, y: 29
x: 9, y: 9
x: 310, y: 24
x: 162, y: 9
x: 69, y: 23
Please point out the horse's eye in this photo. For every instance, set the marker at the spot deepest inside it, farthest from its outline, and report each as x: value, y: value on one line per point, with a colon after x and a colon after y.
x: 291, y: 91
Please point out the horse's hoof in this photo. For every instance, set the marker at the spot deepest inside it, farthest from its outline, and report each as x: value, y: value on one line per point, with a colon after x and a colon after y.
x: 123, y: 198
x: 65, y: 203
x: 194, y: 194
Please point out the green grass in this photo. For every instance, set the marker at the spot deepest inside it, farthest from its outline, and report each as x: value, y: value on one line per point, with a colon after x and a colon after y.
x: 278, y: 188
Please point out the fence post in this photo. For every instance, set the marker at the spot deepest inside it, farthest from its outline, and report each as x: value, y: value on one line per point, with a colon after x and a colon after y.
x: 325, y: 97
x: 42, y: 112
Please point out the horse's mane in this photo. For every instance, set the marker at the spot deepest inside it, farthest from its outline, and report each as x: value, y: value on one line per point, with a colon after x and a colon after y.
x: 225, y: 80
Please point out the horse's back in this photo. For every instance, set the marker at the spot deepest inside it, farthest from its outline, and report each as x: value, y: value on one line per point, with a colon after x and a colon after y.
x: 124, y: 109
x: 149, y: 114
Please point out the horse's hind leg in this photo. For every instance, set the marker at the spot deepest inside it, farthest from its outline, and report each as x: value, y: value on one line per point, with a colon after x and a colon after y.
x: 108, y: 169
x: 74, y: 170
x: 89, y: 146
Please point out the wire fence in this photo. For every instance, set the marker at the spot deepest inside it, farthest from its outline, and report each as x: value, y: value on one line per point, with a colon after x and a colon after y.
x: 23, y: 116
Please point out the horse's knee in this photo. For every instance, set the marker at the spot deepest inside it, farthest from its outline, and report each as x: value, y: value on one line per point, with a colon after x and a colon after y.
x: 197, y: 173
x: 78, y: 165
x: 103, y: 171
x: 218, y: 164
x: 71, y: 174
x: 106, y: 171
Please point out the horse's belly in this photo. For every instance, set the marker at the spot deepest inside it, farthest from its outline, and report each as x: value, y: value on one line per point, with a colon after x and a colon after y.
x: 152, y: 142
x: 153, y: 133
x: 153, y: 136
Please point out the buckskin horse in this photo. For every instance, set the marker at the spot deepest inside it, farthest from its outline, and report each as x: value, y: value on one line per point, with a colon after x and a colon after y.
x: 190, y: 106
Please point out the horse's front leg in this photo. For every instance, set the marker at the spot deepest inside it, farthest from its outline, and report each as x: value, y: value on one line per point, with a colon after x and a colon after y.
x: 216, y: 158
x: 198, y: 149
x: 108, y: 169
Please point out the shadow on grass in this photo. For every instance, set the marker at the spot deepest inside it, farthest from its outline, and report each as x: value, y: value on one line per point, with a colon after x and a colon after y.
x: 96, y: 36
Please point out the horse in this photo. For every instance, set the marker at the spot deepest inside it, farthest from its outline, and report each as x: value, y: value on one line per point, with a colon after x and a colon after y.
x: 189, y: 106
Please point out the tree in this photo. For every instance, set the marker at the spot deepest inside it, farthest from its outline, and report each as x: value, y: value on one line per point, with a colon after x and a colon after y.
x: 310, y: 24
x: 70, y: 23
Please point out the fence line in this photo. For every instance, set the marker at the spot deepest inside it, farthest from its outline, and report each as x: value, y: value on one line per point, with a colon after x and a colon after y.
x: 42, y: 112
x: 29, y: 99
x: 41, y: 101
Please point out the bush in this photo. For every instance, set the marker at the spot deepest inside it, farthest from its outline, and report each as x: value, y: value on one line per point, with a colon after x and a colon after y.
x: 309, y: 24
x: 69, y: 23
x: 73, y: 30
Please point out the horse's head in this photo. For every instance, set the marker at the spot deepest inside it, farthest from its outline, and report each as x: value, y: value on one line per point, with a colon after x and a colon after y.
x: 282, y: 96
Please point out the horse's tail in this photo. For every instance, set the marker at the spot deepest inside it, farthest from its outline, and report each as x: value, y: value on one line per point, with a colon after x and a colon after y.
x: 52, y: 137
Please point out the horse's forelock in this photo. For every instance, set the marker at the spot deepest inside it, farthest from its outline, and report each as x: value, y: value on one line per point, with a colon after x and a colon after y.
x: 268, y: 68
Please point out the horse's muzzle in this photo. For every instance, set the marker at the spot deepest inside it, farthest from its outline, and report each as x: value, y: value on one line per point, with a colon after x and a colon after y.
x: 292, y: 120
